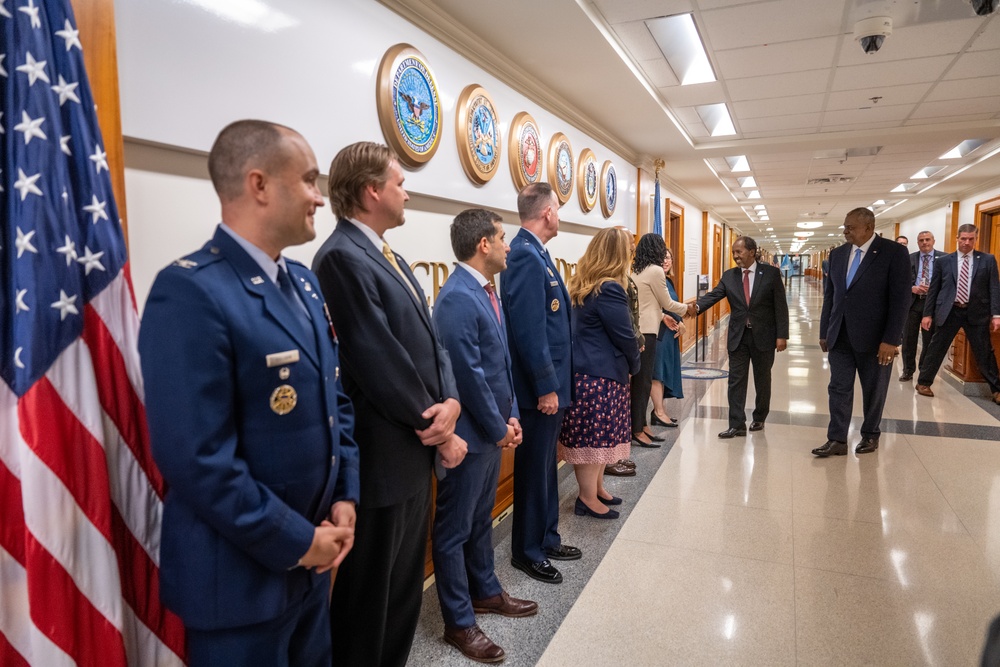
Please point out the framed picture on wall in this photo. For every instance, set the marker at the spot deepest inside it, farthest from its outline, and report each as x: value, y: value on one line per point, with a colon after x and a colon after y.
x: 524, y: 150
x: 560, y: 165
x: 478, y: 134
x: 409, y: 108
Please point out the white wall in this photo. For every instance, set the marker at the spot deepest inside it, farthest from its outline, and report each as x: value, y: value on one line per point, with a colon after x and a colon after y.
x: 936, y: 221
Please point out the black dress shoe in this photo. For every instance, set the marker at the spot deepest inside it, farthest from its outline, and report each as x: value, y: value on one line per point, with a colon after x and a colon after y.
x: 906, y: 377
x: 613, y: 500
x: 649, y: 445
x: 831, y: 448
x: 656, y: 421
x: 564, y: 552
x: 542, y: 571
x: 733, y: 432
x: 757, y: 426
x: 654, y: 438
x: 581, y: 509
x: 866, y: 446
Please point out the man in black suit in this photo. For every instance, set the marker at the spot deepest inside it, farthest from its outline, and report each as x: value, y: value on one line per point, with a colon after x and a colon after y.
x: 758, y: 325
x: 864, y: 307
x: 964, y: 294
x: 921, y: 272
x: 399, y: 376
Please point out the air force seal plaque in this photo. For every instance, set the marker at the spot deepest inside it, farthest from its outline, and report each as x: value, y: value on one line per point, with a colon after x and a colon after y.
x: 478, y: 134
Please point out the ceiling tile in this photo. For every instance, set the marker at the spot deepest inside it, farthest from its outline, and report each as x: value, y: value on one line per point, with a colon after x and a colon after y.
x: 779, y: 106
x: 989, y: 38
x: 979, y: 63
x: 770, y: 23
x: 637, y: 39
x: 779, y: 85
x: 962, y: 89
x: 986, y: 105
x: 876, y: 114
x: 777, y: 58
x: 621, y: 11
x: 659, y: 73
x: 891, y: 73
x: 778, y: 123
x: 928, y: 120
x: 694, y: 94
x: 919, y: 41
x: 891, y: 95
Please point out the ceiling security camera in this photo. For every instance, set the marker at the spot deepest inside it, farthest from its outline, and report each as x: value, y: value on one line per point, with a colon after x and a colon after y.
x: 872, y: 31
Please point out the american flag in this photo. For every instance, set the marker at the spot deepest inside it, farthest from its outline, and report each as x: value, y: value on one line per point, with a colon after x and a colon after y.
x: 80, y: 496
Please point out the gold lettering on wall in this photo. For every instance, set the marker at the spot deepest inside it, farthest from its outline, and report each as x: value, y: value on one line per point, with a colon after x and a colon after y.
x: 438, y: 273
x: 565, y: 268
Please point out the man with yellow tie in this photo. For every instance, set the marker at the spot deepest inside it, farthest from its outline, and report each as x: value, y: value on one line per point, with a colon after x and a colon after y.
x: 399, y: 376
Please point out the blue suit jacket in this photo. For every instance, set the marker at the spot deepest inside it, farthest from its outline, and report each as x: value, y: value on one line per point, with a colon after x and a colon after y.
x: 604, y: 343
x: 874, y: 306
x: 246, y: 485
x: 984, y: 288
x: 477, y: 344
x: 394, y: 364
x: 537, y: 311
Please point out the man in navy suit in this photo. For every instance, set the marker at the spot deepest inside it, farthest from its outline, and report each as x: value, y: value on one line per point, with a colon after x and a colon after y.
x: 248, y: 422
x: 399, y: 377
x: 922, y: 265
x: 964, y: 294
x: 537, y: 312
x: 467, y: 313
x: 864, y: 307
x: 758, y: 327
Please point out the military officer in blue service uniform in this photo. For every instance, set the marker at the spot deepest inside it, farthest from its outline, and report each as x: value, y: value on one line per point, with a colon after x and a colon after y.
x: 248, y: 421
x: 537, y: 314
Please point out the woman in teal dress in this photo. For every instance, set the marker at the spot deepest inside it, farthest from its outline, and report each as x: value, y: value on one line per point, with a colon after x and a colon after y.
x: 667, y: 368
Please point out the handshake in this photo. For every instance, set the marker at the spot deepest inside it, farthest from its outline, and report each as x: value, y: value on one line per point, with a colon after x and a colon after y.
x: 692, y: 310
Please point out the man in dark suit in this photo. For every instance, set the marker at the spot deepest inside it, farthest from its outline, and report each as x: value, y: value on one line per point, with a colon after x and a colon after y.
x: 400, y: 378
x: 758, y: 325
x: 467, y: 313
x: 248, y: 424
x: 864, y: 307
x: 537, y: 313
x: 964, y: 294
x: 922, y: 265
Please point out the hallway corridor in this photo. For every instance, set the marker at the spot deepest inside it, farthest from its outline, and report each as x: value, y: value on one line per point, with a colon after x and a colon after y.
x: 753, y: 552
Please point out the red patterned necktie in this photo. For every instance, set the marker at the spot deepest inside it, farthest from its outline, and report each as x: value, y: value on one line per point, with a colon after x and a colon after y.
x: 963, y: 282
x: 746, y: 285
x: 493, y: 299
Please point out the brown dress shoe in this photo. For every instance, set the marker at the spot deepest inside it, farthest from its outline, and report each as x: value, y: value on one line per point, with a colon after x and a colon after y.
x: 924, y: 390
x: 996, y: 398
x: 474, y: 644
x: 505, y: 605
x: 628, y: 463
x: 619, y: 470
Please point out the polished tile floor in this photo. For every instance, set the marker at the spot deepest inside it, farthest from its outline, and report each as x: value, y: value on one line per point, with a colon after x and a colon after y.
x: 753, y: 552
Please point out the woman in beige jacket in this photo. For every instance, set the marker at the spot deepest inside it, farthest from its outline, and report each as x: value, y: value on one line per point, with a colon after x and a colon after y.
x: 647, y: 272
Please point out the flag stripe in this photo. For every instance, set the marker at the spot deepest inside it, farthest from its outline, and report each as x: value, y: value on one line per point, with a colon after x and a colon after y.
x: 66, y: 615
x: 116, y: 306
x: 117, y: 396
x: 8, y: 656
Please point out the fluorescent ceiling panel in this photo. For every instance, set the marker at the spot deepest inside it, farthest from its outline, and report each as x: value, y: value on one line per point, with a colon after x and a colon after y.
x: 747, y: 182
x: 738, y: 163
x: 808, y: 225
x: 679, y: 42
x: 717, y: 119
x: 963, y: 149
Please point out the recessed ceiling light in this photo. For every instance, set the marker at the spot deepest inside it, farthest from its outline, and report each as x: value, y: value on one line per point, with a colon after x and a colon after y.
x: 926, y: 172
x: 679, y: 42
x: 963, y: 149
x: 747, y: 182
x: 717, y: 119
x: 765, y: 218
x: 738, y: 163
x: 769, y: 229
x: 808, y: 225
x: 903, y: 187
x: 753, y: 194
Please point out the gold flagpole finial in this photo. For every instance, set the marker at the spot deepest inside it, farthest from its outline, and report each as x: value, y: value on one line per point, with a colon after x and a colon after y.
x: 658, y: 164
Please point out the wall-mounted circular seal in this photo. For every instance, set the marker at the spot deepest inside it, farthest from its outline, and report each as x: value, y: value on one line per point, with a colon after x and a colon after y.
x: 409, y: 108
x: 524, y: 150
x: 560, y: 164
x: 609, y: 189
x: 587, y: 180
x: 478, y: 134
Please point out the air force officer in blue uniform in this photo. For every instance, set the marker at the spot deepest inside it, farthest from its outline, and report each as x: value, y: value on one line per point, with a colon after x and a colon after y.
x: 537, y: 311
x: 248, y: 421
x: 467, y: 313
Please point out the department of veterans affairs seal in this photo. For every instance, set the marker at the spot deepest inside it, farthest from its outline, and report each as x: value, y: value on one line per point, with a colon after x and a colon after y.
x: 409, y: 109
x: 478, y: 134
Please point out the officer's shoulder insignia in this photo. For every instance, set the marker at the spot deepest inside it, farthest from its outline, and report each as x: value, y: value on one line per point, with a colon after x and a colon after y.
x: 185, y: 263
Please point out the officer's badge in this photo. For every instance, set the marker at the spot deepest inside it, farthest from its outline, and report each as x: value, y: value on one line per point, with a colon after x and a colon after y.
x: 283, y: 399
x: 554, y: 305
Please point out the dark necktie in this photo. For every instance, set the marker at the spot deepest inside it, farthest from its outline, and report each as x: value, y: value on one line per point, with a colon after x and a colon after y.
x: 288, y: 291
x: 493, y: 299
x: 924, y: 269
x: 963, y: 282
x: 746, y: 285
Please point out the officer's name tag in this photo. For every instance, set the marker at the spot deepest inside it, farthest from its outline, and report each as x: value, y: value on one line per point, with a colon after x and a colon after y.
x: 282, y: 358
